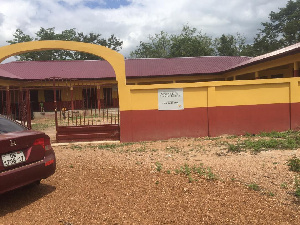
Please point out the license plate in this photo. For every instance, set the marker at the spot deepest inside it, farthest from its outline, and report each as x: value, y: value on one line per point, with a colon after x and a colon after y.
x: 13, y: 158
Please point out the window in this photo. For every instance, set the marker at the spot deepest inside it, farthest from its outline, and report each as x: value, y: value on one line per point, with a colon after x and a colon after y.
x: 7, y: 126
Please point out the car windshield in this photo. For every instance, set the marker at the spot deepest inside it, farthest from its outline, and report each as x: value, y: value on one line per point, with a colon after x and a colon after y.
x: 7, y: 126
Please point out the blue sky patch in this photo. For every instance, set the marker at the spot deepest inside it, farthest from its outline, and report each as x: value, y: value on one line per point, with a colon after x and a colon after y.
x: 108, y: 4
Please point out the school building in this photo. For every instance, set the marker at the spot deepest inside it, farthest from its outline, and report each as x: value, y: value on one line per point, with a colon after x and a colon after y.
x: 157, y: 98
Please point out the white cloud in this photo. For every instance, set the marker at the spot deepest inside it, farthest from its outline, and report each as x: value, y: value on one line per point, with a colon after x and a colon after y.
x: 1, y: 18
x: 136, y: 21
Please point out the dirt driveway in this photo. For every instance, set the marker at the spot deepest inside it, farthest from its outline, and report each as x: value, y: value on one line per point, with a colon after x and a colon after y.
x: 180, y: 181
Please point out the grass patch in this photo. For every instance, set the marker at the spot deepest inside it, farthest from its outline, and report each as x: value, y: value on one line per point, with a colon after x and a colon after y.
x: 41, y: 126
x: 172, y: 149
x: 275, y: 134
x: 254, y: 187
x: 270, y: 193
x: 108, y: 146
x: 283, y: 185
x: 294, y: 164
x: 297, y: 186
x: 196, y: 148
x: 266, y: 141
x: 158, y: 166
x: 76, y: 147
x: 140, y: 149
x: 196, y: 171
x: 266, y: 144
x: 235, y: 148
x: 126, y: 144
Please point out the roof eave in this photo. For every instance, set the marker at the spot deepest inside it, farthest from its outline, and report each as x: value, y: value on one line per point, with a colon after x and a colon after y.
x: 286, y: 53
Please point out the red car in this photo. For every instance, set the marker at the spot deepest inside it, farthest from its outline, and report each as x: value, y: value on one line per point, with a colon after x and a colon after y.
x: 26, y: 156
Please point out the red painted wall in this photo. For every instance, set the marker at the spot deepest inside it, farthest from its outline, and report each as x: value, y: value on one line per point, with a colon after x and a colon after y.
x: 142, y: 125
x: 251, y: 119
x: 295, y: 116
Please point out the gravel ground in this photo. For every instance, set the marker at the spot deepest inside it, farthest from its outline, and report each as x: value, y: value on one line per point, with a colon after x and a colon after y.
x: 141, y: 183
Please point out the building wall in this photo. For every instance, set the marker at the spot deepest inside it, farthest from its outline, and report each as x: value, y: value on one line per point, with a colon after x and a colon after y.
x: 212, y: 109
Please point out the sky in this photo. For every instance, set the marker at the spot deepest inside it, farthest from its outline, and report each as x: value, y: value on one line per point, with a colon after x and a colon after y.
x: 133, y: 21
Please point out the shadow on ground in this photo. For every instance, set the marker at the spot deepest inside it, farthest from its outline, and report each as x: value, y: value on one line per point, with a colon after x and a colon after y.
x: 19, y: 198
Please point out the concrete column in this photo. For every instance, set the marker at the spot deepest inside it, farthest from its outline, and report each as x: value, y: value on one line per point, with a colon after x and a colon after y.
x: 256, y: 75
x: 72, y: 99
x: 98, y: 97
x: 7, y: 101
x: 296, y: 69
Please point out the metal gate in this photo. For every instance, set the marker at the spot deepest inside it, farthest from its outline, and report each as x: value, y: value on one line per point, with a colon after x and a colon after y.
x: 82, y: 115
x: 15, y: 105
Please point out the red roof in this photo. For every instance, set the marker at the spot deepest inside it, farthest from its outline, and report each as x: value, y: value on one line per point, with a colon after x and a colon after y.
x: 6, y: 74
x: 272, y: 55
x: 95, y: 69
x: 63, y: 69
x: 181, y: 66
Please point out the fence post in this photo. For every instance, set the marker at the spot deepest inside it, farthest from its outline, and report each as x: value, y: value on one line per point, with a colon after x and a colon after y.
x: 7, y: 101
x: 28, y: 109
x: 98, y: 98
x: 55, y: 105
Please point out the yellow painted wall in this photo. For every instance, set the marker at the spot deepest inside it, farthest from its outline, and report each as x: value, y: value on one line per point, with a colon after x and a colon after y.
x: 6, y: 83
x: 77, y: 95
x: 219, y: 93
x: 66, y: 94
x: 253, y: 94
x: 101, y: 92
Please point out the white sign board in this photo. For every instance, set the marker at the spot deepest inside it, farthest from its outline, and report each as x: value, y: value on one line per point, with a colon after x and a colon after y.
x: 170, y: 99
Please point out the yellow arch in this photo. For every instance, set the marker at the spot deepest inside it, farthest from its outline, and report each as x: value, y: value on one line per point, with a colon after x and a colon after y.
x: 115, y: 59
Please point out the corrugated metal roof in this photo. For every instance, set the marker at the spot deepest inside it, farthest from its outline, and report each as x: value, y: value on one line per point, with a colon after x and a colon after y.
x: 6, y: 74
x: 181, y: 66
x: 63, y: 69
x: 269, y: 56
x: 98, y: 69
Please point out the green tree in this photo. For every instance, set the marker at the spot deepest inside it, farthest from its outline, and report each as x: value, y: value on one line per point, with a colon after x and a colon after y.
x: 158, y: 47
x: 191, y: 43
x: 186, y: 44
x: 229, y: 45
x: 67, y: 35
x: 282, y: 30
